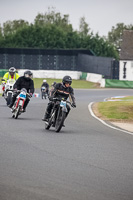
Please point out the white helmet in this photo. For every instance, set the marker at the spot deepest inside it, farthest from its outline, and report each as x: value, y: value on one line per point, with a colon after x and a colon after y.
x: 12, y: 69
x: 44, y: 81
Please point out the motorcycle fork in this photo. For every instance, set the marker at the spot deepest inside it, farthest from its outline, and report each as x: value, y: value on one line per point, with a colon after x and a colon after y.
x: 17, y: 102
x: 55, y: 111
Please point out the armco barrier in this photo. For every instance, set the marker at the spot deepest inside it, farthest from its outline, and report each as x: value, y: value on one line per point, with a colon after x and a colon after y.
x: 57, y: 74
x: 112, y: 83
x: 95, y: 78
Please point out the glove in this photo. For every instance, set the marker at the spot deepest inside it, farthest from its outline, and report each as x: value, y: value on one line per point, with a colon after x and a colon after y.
x: 50, y: 98
x: 73, y: 105
x: 30, y: 94
x: 15, y: 90
x: 3, y: 83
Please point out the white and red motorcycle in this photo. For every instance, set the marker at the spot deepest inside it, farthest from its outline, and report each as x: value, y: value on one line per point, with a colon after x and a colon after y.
x: 17, y: 108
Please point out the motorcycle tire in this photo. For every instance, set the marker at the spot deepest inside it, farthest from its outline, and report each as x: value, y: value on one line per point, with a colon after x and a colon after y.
x: 9, y: 98
x: 43, y: 95
x: 60, y: 120
x: 50, y: 121
x: 17, y: 111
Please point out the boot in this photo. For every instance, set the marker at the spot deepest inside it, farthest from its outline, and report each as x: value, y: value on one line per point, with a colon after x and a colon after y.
x: 46, y: 117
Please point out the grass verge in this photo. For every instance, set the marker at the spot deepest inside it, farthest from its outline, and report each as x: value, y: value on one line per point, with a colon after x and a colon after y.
x: 79, y: 84
x: 115, y: 110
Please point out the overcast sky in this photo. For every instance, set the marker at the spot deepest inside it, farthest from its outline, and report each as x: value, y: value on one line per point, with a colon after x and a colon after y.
x: 101, y: 15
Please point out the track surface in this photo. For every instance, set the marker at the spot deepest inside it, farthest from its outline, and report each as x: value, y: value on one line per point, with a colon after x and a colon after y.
x: 85, y: 161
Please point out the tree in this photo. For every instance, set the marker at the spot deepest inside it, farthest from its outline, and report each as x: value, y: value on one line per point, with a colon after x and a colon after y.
x: 114, y: 35
x: 53, y: 17
x: 10, y: 27
x: 83, y: 27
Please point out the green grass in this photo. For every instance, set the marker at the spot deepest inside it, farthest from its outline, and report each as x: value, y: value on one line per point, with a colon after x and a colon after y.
x: 117, y: 110
x: 79, y: 84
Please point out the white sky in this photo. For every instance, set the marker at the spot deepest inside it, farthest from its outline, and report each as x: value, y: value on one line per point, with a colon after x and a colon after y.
x: 101, y: 15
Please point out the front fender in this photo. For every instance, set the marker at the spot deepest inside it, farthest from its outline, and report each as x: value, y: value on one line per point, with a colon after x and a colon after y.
x: 64, y: 109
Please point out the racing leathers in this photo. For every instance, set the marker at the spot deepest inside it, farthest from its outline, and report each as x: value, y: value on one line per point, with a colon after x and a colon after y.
x: 23, y: 82
x: 59, y: 91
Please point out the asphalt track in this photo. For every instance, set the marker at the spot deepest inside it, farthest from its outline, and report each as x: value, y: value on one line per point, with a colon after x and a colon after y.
x: 85, y: 161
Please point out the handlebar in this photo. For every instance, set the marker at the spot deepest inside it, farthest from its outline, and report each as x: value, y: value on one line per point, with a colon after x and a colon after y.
x: 18, y: 91
x: 57, y: 99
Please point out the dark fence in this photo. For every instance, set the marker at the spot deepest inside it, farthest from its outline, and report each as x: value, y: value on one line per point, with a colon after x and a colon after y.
x: 42, y: 59
x: 99, y: 65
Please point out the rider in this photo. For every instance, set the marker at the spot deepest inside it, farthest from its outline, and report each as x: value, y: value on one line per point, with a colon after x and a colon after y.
x: 11, y: 74
x: 61, y: 90
x: 53, y: 85
x: 46, y: 85
x: 23, y: 82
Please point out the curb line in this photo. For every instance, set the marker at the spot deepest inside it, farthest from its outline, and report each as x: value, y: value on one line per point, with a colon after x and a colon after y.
x: 103, y: 122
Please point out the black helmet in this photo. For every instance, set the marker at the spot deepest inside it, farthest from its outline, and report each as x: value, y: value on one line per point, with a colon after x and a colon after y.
x: 53, y: 84
x: 67, y: 79
x: 28, y: 74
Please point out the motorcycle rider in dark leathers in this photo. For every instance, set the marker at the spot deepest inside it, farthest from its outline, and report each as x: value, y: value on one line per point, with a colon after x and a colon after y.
x: 23, y: 82
x: 46, y: 85
x: 61, y: 90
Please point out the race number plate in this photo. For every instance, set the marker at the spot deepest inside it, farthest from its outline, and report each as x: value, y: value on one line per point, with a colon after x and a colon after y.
x: 63, y: 103
x: 22, y: 96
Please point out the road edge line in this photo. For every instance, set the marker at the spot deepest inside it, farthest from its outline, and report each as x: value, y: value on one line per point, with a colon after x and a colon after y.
x: 103, y: 122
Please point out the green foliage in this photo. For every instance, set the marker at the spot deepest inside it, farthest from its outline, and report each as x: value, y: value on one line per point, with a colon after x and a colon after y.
x: 51, y: 30
x: 83, y: 27
x: 10, y: 27
x: 114, y: 36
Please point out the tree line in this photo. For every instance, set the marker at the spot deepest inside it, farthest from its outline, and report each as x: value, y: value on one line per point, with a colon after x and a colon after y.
x: 52, y: 30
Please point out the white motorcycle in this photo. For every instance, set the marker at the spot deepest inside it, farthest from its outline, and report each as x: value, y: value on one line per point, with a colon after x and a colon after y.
x: 8, y: 91
x: 44, y: 93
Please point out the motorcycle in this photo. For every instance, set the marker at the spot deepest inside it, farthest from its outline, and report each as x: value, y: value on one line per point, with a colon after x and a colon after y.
x: 44, y: 93
x: 58, y: 114
x: 8, y: 90
x: 17, y: 108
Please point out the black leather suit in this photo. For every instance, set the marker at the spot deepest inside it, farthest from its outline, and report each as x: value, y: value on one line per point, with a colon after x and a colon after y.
x: 60, y: 91
x: 26, y: 83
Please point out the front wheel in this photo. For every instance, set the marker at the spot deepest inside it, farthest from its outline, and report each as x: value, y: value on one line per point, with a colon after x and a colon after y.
x: 9, y: 98
x: 17, y: 111
x: 60, y: 120
x: 42, y: 95
x: 50, y: 120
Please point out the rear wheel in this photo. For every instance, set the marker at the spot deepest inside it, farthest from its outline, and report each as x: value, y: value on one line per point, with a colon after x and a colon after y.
x: 60, y: 120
